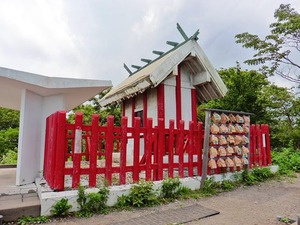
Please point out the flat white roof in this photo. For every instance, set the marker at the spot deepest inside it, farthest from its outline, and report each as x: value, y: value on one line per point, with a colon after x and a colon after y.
x: 75, y: 91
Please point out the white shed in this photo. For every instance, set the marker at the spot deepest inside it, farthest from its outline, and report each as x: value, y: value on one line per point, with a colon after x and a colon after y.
x: 169, y: 87
x: 37, y: 97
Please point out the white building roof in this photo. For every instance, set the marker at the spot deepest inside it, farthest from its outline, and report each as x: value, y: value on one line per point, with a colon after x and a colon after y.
x: 188, y: 54
x: 74, y: 91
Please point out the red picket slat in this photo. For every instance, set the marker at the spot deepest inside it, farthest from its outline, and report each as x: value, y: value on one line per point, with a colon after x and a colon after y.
x: 59, y: 177
x: 199, y: 147
x: 259, y: 144
x: 268, y: 143
x: 48, y: 153
x: 161, y: 148
x: 93, y: 150
x: 191, y: 148
x: 180, y: 148
x: 148, y: 150
x: 136, y: 148
x: 252, y: 150
x: 264, y: 145
x: 77, y: 155
x: 171, y: 149
x: 109, y: 147
x: 123, y: 150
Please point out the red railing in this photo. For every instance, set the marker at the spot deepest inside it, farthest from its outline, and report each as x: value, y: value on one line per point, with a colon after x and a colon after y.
x: 260, y: 146
x: 167, y: 152
x: 122, y: 154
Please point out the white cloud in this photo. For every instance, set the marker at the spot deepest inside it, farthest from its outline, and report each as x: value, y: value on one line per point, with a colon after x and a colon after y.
x: 93, y: 39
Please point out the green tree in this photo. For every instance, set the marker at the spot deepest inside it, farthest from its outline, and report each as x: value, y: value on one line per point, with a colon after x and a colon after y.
x: 9, y: 133
x: 243, y: 93
x: 9, y: 118
x: 282, y: 109
x: 93, y: 107
x: 278, y: 52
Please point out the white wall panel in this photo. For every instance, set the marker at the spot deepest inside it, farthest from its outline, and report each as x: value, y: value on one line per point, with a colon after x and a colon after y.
x: 170, y: 104
x: 152, y: 105
x: 186, y: 106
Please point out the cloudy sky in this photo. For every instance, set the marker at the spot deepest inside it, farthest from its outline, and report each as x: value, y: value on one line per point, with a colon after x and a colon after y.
x: 92, y: 39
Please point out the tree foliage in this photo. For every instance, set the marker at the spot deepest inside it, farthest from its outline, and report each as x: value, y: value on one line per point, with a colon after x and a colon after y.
x: 250, y: 91
x: 9, y: 133
x: 243, y: 92
x: 278, y: 52
x: 93, y: 107
x: 9, y: 118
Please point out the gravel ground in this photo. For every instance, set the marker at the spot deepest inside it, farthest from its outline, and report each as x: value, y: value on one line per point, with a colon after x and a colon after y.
x: 253, y: 205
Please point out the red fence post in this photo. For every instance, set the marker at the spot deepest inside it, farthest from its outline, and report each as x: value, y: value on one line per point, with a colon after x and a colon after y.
x: 59, y: 176
x: 171, y: 149
x: 161, y: 147
x: 259, y: 144
x: 264, y: 146
x: 200, y: 139
x: 77, y: 150
x: 123, y: 151
x: 180, y: 148
x: 136, y: 149
x: 109, y: 147
x: 253, y: 147
x: 191, y: 148
x: 50, y: 149
x: 93, y: 150
x: 268, y: 145
x: 148, y: 150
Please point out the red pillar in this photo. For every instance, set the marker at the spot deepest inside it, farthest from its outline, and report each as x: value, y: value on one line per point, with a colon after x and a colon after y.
x: 194, y: 105
x: 178, y: 97
x: 161, y: 101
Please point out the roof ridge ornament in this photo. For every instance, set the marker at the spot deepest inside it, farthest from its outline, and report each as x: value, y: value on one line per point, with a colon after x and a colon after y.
x: 183, y: 34
x: 160, y: 53
x: 127, y: 69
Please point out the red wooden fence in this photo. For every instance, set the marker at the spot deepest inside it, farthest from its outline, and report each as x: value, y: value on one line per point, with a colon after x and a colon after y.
x: 167, y: 152
x: 260, y: 146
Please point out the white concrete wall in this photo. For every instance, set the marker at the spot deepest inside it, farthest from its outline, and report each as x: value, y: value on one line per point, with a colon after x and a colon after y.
x: 186, y: 106
x: 50, y: 105
x: 138, y: 102
x: 30, y: 136
x: 128, y: 111
x: 34, y: 111
x: 170, y: 100
x: 186, y: 97
x: 152, y: 105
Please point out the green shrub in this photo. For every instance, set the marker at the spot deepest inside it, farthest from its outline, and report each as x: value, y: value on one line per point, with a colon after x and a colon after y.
x: 170, y: 188
x: 61, y: 208
x: 228, y: 185
x: 141, y: 194
x: 288, y: 160
x: 24, y: 220
x: 123, y: 202
x: 92, y: 203
x: 97, y: 201
x: 248, y: 178
x: 10, y: 157
x: 211, y: 187
x: 262, y: 174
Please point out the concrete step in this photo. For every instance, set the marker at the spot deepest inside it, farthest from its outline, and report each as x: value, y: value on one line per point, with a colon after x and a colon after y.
x: 15, y: 206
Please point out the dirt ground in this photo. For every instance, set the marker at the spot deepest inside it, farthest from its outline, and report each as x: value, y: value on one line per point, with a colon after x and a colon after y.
x: 255, y: 205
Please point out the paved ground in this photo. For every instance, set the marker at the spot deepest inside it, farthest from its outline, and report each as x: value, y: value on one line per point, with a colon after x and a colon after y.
x: 8, y: 183
x: 256, y: 205
x: 16, y: 201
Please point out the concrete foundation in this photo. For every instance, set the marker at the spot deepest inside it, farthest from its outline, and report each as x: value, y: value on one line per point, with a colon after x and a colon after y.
x: 48, y: 198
